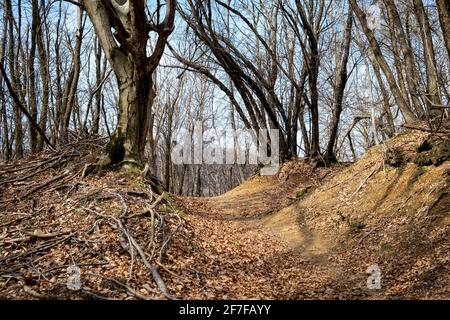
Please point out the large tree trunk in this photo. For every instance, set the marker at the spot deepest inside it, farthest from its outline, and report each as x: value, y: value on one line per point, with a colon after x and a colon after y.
x: 136, y: 96
x: 122, y: 28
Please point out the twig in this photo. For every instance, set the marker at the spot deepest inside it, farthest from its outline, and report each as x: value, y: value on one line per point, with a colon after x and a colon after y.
x: 43, y: 185
x: 87, y: 264
x: 367, y: 234
x: 12, y: 221
x: 163, y: 247
x: 149, y: 209
x: 33, y: 293
x: 33, y: 236
x: 129, y: 289
x: 153, y: 270
x: 168, y: 270
x: 365, y: 180
x: 45, y: 246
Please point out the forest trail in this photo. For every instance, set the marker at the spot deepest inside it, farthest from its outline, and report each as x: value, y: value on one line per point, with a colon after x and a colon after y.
x: 255, y: 205
x: 255, y: 253
x: 309, y: 233
x: 249, y: 258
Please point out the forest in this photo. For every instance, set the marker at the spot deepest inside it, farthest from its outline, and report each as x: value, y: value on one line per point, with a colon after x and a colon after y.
x: 224, y: 149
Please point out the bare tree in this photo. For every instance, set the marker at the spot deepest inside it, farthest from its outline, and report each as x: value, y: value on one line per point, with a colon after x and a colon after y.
x: 408, y: 114
x: 339, y: 87
x: 126, y: 51
x: 70, y: 92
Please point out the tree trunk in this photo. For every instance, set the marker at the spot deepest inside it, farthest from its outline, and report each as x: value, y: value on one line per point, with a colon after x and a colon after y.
x: 301, y: 121
x: 45, y: 77
x: 32, y: 103
x: 168, y: 146
x: 381, y: 61
x: 98, y: 95
x: 56, y: 132
x: 444, y: 19
x: 197, y: 181
x: 432, y: 99
x: 123, y: 30
x: 408, y: 58
x: 181, y: 179
x: 340, y: 88
x: 13, y: 69
x: 72, y: 84
x: 5, y: 146
x: 136, y: 97
x: 151, y: 143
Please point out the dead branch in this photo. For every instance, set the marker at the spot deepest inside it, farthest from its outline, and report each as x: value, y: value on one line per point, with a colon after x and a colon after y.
x: 423, y: 129
x: 365, y: 180
x: 127, y: 287
x: 45, y: 246
x: 12, y: 221
x: 45, y: 184
x: 153, y: 270
x: 32, y: 236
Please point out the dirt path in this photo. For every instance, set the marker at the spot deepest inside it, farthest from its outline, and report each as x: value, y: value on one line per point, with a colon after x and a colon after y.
x: 253, y: 254
x: 259, y: 241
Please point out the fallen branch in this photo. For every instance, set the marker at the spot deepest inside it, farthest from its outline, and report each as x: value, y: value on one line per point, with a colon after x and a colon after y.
x: 153, y: 270
x: 148, y: 209
x: 12, y: 221
x: 127, y: 287
x: 44, y: 246
x: 365, y: 180
x: 45, y: 184
x: 32, y: 236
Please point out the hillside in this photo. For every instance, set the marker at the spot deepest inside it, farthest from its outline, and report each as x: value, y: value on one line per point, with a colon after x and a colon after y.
x: 305, y: 233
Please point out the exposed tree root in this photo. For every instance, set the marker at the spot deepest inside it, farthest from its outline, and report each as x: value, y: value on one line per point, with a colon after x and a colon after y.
x: 41, y: 221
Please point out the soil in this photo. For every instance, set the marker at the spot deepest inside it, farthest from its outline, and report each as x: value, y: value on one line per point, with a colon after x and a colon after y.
x: 305, y: 233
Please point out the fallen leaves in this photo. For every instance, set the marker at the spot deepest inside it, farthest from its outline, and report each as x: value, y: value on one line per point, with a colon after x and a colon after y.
x: 219, y: 251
